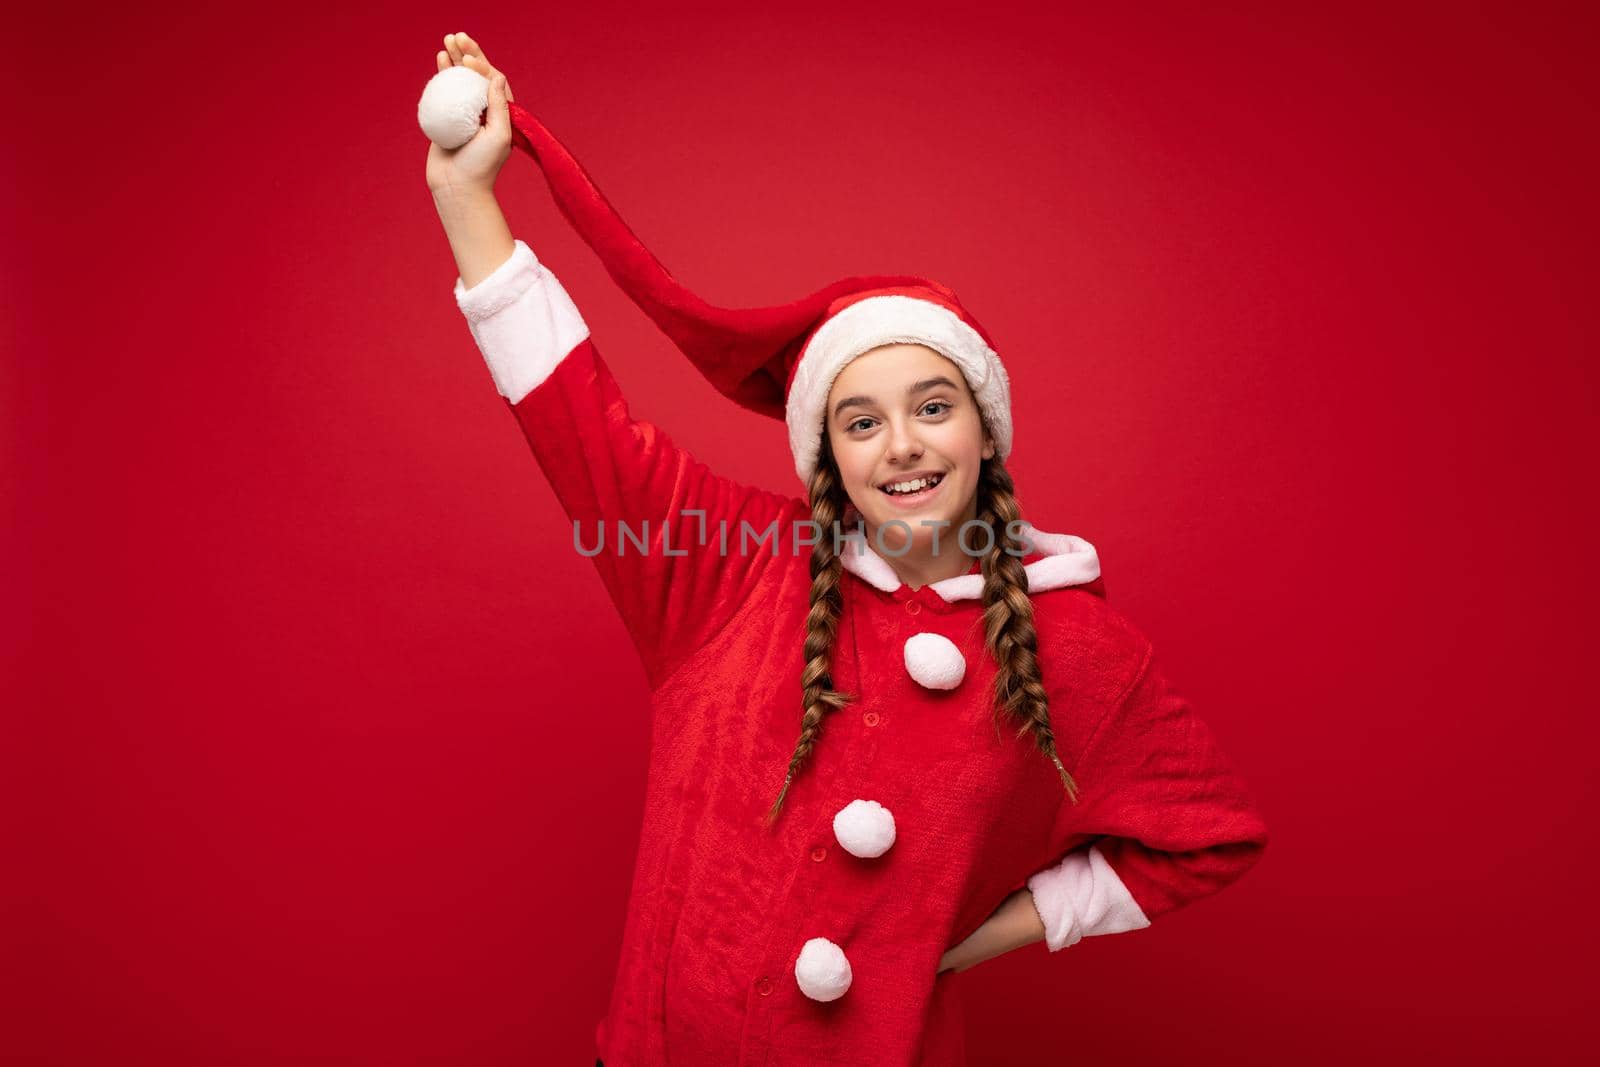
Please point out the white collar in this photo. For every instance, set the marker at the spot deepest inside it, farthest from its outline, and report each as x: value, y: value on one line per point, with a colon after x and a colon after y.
x: 1067, y: 560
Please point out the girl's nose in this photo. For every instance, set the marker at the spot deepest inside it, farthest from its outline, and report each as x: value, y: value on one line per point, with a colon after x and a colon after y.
x: 903, y: 443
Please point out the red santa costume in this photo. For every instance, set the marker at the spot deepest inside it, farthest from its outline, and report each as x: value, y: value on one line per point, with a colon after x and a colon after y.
x: 817, y: 941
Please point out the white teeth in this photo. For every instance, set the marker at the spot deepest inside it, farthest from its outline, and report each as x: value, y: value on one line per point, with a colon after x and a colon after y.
x: 912, y: 486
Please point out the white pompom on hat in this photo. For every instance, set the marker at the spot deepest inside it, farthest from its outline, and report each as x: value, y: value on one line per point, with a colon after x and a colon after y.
x: 451, y: 109
x: 779, y: 360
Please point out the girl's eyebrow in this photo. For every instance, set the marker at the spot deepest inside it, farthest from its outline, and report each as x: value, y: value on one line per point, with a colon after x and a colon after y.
x: 912, y: 390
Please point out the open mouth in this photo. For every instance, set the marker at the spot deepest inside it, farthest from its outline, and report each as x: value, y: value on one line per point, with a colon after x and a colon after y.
x: 910, y: 490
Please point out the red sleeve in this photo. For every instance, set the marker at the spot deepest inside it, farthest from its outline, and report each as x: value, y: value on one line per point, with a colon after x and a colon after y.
x: 635, y: 498
x: 1174, y: 821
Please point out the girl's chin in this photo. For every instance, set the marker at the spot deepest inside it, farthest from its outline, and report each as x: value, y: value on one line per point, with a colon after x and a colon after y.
x: 918, y: 517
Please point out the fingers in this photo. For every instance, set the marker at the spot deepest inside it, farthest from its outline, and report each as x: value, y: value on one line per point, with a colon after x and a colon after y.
x: 470, y: 47
x: 473, y: 57
x: 478, y: 66
x: 499, y: 114
x: 460, y: 46
x: 460, y: 50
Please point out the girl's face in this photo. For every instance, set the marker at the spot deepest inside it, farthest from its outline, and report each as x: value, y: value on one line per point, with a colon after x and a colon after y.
x: 900, y: 414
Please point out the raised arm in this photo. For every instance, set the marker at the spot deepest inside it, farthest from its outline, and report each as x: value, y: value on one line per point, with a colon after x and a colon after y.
x: 664, y: 531
x: 645, y: 511
x: 479, y: 236
x: 462, y: 180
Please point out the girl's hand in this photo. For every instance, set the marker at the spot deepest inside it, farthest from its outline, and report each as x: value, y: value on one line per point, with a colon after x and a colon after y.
x: 1014, y: 924
x: 967, y: 954
x: 474, y: 166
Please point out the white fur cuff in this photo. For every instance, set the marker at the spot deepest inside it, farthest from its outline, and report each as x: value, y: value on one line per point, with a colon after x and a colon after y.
x: 1083, y: 897
x: 523, y: 320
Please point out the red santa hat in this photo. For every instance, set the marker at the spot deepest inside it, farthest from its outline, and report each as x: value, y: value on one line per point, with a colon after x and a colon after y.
x: 779, y: 360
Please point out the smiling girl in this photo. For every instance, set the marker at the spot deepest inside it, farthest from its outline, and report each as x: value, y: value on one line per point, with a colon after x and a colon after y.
x: 902, y: 735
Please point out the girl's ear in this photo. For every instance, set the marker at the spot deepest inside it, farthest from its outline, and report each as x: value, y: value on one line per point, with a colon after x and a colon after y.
x: 988, y: 447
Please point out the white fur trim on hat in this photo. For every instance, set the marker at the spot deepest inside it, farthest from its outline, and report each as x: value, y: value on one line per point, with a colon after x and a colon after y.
x: 822, y: 970
x: 864, y: 828
x: 883, y: 320
x: 934, y: 661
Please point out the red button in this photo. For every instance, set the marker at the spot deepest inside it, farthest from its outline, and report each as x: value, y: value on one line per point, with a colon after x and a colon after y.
x: 870, y: 718
x: 764, y: 986
x: 913, y: 608
x: 819, y: 853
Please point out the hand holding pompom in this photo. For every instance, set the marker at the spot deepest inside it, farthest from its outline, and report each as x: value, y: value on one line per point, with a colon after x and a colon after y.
x: 467, y: 151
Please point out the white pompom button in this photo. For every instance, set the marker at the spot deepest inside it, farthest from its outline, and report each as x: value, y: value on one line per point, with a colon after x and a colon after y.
x: 452, y: 104
x: 935, y: 661
x: 822, y: 970
x: 864, y: 828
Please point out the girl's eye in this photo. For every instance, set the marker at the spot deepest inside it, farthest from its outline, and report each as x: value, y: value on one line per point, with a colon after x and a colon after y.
x: 940, y: 406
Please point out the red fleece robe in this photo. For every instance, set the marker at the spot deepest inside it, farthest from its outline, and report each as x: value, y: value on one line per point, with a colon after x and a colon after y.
x: 720, y: 907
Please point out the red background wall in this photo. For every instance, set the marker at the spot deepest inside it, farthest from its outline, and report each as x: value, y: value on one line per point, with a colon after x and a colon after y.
x: 326, y: 747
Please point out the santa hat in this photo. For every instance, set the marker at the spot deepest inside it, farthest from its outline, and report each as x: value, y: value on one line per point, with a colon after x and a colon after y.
x: 780, y: 360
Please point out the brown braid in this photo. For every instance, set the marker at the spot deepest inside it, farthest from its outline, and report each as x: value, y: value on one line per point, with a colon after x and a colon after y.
x: 1008, y: 620
x: 822, y: 621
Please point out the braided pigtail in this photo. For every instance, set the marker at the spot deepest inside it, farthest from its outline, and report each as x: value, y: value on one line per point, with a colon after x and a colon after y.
x: 818, y: 696
x: 1008, y: 620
